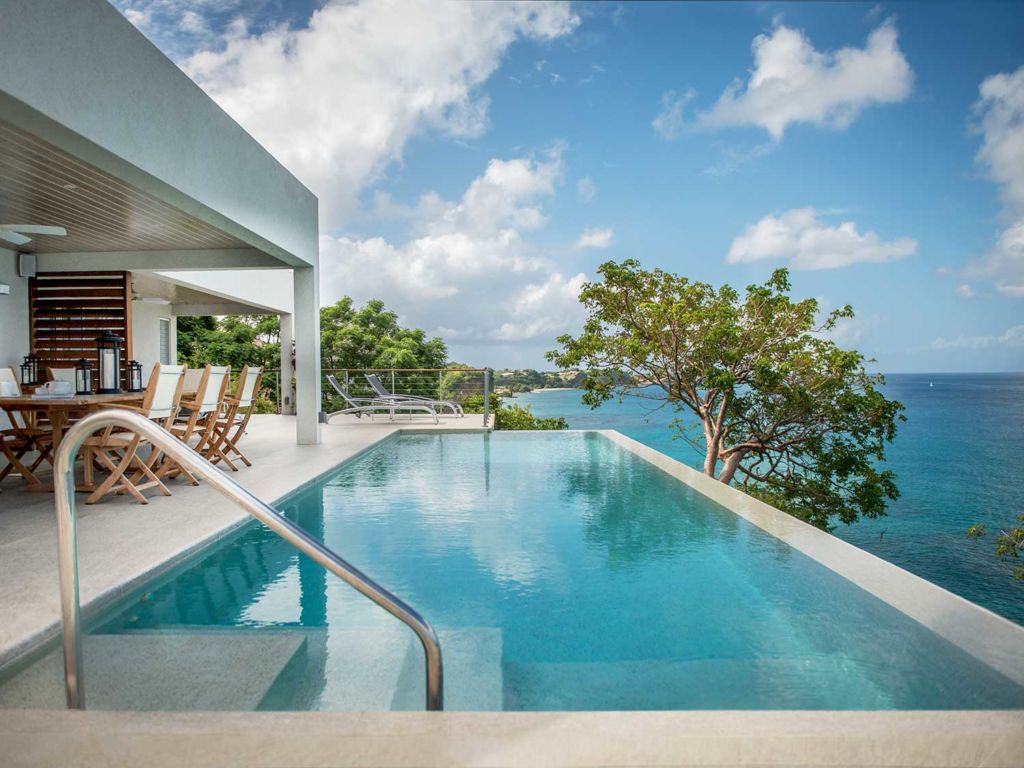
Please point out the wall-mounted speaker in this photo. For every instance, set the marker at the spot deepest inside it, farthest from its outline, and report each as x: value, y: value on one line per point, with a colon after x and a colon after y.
x: 27, y: 264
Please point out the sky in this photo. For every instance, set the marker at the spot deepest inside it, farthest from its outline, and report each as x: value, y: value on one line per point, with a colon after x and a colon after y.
x: 476, y: 162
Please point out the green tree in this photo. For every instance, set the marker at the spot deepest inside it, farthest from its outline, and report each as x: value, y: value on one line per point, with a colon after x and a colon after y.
x: 234, y: 340
x: 514, y: 416
x: 769, y: 400
x: 371, y: 337
x: 1009, y: 543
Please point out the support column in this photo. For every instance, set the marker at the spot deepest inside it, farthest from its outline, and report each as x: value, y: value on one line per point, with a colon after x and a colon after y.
x: 287, y: 337
x: 306, y: 328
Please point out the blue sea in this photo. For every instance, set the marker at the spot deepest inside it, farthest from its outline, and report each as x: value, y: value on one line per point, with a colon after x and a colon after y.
x: 959, y: 458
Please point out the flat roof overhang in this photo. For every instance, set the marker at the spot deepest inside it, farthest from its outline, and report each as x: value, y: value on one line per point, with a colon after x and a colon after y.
x: 102, y: 134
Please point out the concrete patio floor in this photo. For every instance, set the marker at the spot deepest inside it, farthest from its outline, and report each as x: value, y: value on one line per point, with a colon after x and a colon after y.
x: 121, y: 544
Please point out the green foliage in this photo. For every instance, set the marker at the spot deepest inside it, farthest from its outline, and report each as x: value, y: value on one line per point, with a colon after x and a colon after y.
x: 521, y: 417
x: 511, y: 417
x: 235, y: 340
x: 371, y: 337
x: 759, y: 387
x: 1009, y: 543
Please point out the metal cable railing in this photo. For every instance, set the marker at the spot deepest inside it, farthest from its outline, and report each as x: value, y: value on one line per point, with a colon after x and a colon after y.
x: 470, y: 388
x: 67, y: 546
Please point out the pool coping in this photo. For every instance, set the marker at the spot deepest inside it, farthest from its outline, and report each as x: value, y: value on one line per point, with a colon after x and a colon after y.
x: 985, y: 635
x: 780, y: 738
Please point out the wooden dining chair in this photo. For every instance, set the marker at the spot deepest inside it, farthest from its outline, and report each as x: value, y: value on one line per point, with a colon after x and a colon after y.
x: 230, y: 427
x: 118, y: 451
x: 61, y: 374
x: 199, y: 413
x: 25, y: 435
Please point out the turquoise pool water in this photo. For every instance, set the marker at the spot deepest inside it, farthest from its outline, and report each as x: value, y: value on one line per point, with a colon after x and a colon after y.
x: 958, y: 460
x: 563, y: 573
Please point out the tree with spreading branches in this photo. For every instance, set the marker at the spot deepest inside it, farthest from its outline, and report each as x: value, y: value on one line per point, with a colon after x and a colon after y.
x: 760, y: 389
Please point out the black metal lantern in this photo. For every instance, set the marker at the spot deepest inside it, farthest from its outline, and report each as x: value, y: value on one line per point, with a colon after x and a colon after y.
x: 30, y: 369
x: 134, y: 376
x: 83, y: 377
x: 108, y: 363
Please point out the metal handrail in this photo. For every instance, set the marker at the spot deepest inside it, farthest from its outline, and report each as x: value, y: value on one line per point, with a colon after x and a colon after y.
x: 67, y: 546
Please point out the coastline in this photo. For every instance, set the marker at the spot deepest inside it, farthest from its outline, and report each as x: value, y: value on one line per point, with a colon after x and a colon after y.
x: 553, y: 389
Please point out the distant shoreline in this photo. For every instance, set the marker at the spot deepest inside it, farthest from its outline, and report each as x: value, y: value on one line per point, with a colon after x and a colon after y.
x: 554, y: 389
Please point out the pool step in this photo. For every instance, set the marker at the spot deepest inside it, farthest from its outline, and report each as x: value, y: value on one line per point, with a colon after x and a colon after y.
x: 819, y: 682
x: 473, y: 677
x: 194, y: 670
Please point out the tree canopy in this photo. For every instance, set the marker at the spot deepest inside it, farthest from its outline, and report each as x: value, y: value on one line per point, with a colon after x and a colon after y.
x: 760, y: 389
x: 371, y: 337
x: 368, y: 337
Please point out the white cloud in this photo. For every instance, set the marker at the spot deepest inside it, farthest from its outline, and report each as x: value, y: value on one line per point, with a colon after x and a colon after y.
x: 999, y: 118
x: 1010, y: 338
x: 792, y: 82
x: 801, y: 239
x: 466, y: 271
x: 964, y: 291
x: 586, y: 189
x: 595, y: 238
x: 669, y: 121
x: 337, y: 100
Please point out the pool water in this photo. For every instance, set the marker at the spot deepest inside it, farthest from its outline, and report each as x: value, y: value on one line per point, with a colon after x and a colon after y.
x: 562, y: 573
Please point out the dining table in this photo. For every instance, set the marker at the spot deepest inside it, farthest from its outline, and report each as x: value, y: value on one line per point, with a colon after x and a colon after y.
x: 58, y: 411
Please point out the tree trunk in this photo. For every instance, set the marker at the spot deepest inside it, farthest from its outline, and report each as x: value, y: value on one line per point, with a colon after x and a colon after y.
x: 731, y: 464
x: 711, y: 456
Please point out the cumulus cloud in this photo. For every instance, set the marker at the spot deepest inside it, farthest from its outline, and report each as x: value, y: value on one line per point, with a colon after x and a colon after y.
x: 999, y: 118
x: 1011, y: 338
x: 964, y: 291
x: 595, y: 238
x: 336, y: 100
x: 669, y: 121
x: 792, y: 82
x: 467, y: 270
x: 801, y: 239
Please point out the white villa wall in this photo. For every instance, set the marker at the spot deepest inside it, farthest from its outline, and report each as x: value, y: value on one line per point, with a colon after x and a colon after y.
x: 269, y: 289
x: 13, y: 312
x: 146, y: 334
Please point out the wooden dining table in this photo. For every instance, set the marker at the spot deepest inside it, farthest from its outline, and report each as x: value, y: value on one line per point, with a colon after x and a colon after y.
x: 59, y: 411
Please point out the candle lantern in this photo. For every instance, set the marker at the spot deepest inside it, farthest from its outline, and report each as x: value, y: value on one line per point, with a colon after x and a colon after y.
x: 134, y: 376
x: 83, y: 377
x: 30, y: 369
x: 108, y: 363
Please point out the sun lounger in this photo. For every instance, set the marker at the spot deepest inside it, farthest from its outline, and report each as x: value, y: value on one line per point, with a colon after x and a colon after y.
x: 381, y: 391
x: 371, y: 405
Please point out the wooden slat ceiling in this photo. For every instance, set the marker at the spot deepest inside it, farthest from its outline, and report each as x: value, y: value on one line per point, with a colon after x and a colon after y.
x: 41, y: 184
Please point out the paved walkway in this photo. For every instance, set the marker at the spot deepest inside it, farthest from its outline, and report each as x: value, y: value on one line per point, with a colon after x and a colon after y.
x: 121, y: 544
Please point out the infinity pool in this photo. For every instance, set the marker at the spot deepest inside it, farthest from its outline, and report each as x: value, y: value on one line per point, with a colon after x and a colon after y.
x: 562, y: 573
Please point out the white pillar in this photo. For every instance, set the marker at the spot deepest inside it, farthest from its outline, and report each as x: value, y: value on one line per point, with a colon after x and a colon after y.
x: 306, y: 328
x: 287, y: 337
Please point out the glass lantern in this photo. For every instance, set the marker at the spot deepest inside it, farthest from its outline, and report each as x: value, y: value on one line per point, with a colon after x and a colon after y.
x: 108, y: 363
x: 83, y: 377
x: 134, y: 376
x: 30, y: 369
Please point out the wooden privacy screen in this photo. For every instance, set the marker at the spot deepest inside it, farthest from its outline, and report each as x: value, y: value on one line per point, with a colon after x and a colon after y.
x: 68, y: 310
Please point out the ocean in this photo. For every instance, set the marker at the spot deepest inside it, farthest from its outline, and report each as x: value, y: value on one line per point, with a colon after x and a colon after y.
x: 959, y: 459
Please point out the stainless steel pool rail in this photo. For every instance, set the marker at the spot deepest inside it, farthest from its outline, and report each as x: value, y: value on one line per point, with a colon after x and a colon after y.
x: 67, y: 546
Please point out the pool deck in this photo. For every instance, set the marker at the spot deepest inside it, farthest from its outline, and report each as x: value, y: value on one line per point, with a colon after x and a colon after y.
x: 313, y: 739
x: 122, y: 544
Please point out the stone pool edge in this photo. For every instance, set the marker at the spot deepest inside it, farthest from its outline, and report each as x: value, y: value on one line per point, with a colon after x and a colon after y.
x: 987, y: 636
x: 980, y: 738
